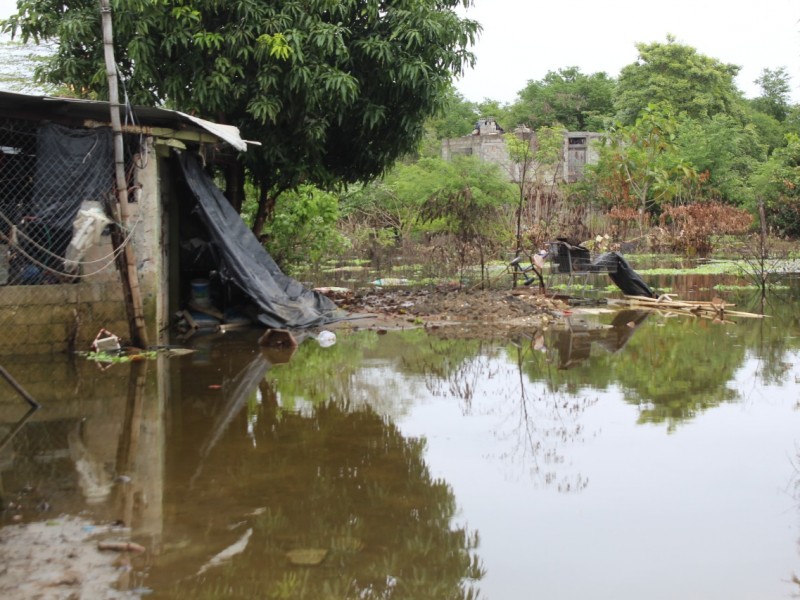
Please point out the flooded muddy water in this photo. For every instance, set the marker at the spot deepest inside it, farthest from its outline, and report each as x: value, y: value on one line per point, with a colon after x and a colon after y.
x: 616, y: 455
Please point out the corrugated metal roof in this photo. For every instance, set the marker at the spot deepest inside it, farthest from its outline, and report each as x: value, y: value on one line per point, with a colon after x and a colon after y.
x: 52, y: 107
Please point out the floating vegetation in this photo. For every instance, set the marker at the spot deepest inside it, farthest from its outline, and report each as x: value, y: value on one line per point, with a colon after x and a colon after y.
x: 107, y: 357
x: 722, y: 267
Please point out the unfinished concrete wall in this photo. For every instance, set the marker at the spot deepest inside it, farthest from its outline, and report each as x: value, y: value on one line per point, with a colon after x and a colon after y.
x: 150, y: 242
x: 488, y: 145
x: 54, y: 318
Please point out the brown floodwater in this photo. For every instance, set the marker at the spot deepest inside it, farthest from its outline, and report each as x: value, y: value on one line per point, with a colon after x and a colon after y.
x: 619, y: 455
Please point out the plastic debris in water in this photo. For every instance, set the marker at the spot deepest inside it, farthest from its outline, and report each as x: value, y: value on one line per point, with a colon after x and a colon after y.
x: 391, y: 281
x: 326, y: 339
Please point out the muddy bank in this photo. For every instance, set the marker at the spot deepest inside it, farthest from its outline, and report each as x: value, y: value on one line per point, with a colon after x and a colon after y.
x: 491, y: 310
x: 59, y: 559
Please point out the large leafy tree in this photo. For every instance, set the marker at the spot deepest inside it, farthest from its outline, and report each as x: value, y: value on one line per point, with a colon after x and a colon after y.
x: 692, y: 83
x: 641, y: 166
x: 775, y: 93
x: 567, y: 97
x: 726, y: 152
x: 777, y: 182
x: 335, y: 91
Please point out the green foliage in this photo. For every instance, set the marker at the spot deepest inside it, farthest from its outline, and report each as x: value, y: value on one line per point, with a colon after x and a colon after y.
x: 335, y: 91
x: 106, y: 357
x: 775, y: 93
x: 377, y: 210
x: 565, y: 97
x: 778, y: 182
x: 663, y: 159
x: 493, y: 108
x: 640, y: 165
x: 771, y: 133
x: 726, y: 151
x: 462, y: 198
x: 303, y: 228
x: 456, y: 118
x: 429, y: 197
x: 676, y: 74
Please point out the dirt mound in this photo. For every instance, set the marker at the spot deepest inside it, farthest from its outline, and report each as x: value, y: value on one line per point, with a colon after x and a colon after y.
x: 438, y: 306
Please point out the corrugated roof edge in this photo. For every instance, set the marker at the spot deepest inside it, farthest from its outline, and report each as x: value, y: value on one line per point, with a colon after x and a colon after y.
x: 98, y: 110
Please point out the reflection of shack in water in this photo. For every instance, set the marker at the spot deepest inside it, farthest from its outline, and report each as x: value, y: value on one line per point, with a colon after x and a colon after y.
x: 574, y: 343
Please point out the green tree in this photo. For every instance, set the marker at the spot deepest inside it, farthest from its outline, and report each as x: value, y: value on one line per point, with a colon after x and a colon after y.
x: 334, y: 91
x: 777, y: 182
x: 463, y: 198
x: 303, y: 229
x: 641, y: 166
x: 771, y: 132
x: 726, y: 152
x: 494, y: 108
x: 775, y: 93
x: 535, y: 160
x: 692, y: 83
x: 566, y: 97
x: 456, y: 118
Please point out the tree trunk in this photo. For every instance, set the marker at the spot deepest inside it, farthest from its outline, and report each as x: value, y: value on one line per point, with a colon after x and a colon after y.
x: 266, y: 207
x: 234, y: 185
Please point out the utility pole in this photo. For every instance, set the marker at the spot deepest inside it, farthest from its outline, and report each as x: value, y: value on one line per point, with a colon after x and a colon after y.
x: 126, y: 260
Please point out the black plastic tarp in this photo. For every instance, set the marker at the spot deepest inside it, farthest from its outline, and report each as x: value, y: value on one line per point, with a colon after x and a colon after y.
x: 72, y: 165
x: 282, y: 301
x: 623, y: 275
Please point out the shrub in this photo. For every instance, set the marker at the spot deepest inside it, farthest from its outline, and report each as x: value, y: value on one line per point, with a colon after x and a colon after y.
x: 690, y: 228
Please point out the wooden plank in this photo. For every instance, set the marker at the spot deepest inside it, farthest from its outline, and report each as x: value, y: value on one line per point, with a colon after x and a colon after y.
x: 696, y: 307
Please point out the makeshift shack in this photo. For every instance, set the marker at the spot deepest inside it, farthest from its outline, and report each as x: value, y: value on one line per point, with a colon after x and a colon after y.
x: 59, y: 283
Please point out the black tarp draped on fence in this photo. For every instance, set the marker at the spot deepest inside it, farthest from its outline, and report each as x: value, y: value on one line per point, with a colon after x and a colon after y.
x: 283, y: 302
x: 72, y: 166
x: 623, y: 275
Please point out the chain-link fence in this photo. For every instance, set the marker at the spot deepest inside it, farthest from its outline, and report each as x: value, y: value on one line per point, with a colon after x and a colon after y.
x: 55, y: 184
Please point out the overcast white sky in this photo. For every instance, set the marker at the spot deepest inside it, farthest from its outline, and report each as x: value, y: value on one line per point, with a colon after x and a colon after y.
x: 524, y: 39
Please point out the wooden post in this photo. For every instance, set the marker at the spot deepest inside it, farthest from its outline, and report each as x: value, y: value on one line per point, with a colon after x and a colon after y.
x: 126, y: 260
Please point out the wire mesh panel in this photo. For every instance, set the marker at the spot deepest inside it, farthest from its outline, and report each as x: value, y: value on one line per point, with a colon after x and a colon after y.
x: 47, y: 173
x: 17, y: 168
x: 55, y: 184
x: 575, y: 264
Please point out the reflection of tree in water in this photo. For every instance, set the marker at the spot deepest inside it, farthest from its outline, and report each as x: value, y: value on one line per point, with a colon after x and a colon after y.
x: 767, y: 338
x: 537, y: 424
x: 682, y: 371
x: 457, y: 377
x: 345, y: 483
x: 547, y: 421
x: 796, y: 490
x: 670, y: 373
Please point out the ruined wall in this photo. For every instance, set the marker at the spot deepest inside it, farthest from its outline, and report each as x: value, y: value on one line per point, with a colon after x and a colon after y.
x: 580, y: 149
x: 488, y: 148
